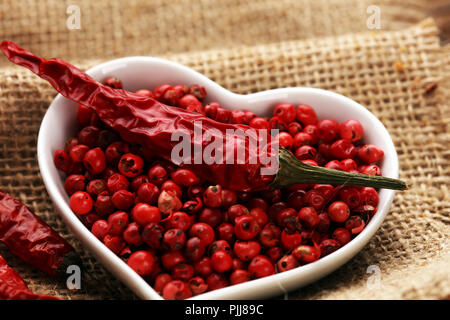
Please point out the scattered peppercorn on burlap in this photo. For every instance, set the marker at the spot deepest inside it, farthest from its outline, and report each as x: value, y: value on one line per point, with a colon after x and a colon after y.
x: 402, y: 76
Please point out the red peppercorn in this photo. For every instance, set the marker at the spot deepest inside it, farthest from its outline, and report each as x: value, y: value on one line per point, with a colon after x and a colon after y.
x: 369, y: 197
x: 132, y: 235
x: 168, y: 202
x: 236, y: 210
x: 270, y: 235
x: 355, y: 224
x: 294, y: 128
x: 211, y: 109
x: 179, y: 220
x: 223, y: 115
x: 259, y: 123
x: 342, y: 149
x: 260, y: 267
x: 148, y: 193
x: 211, y: 216
x: 246, y: 250
x: 219, y: 245
x: 315, y: 199
x: 286, y: 263
x: 184, y: 177
x: 239, y: 276
x: 204, y: 231
x: 81, y: 202
x: 305, y: 153
x: 225, y: 231
x: 152, y: 235
x: 302, y: 139
x: 192, y: 206
x: 342, y: 236
x: 122, y: 199
x: 62, y: 160
x: 285, y: 140
x: 286, y: 112
x: 229, y: 198
x: 115, y: 150
x: 77, y: 152
x: 286, y: 218
x: 370, y: 153
x: 94, y: 161
x: 238, y: 117
x: 333, y: 164
x: 308, y: 216
x: 174, y: 239
x: 328, y: 246
x: 221, y: 261
x: 74, y: 183
x: 143, y: 214
x: 142, y: 262
x: 246, y: 227
x: 351, y: 130
x: 176, y: 290
x: 213, y: 196
x: 203, y: 267
x: 160, y: 282
x: 290, y: 239
x: 259, y: 203
x: 338, y: 211
x: 327, y: 190
x: 88, y: 136
x: 103, y: 205
x: 351, y: 196
x: 183, y: 271
x: 188, y: 100
x: 277, y: 124
x: 349, y: 165
x: 131, y: 165
x: 169, y: 185
x: 274, y: 254
x: 372, y: 169
x: 260, y: 216
x: 324, y: 223
x: 275, y: 208
x: 117, y: 222
x: 170, y: 259
x: 157, y: 175
x: 306, y: 115
x: 138, y: 181
x: 114, y: 83
x: 216, y: 281
x: 328, y: 130
x: 114, y: 243
x: 306, y: 254
x: 96, y: 187
x: 197, y: 285
x: 100, y: 229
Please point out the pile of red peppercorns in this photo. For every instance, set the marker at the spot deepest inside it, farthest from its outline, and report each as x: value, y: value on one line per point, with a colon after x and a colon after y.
x: 185, y: 236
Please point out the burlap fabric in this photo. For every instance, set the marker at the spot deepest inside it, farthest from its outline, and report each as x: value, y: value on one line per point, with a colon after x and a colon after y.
x: 139, y: 27
x: 392, y: 73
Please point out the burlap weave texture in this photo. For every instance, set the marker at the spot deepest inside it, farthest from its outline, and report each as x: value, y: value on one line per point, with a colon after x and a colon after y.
x: 389, y: 72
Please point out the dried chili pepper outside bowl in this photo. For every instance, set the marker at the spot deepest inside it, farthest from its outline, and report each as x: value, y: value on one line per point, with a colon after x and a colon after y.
x: 136, y: 73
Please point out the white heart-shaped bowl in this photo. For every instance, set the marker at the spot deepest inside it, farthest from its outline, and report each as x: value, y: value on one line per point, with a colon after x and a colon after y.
x: 136, y: 73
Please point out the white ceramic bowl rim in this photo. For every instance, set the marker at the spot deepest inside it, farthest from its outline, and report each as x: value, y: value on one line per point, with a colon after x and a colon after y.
x: 306, y: 273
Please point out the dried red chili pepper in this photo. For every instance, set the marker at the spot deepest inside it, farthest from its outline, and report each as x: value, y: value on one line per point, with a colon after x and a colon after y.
x: 146, y: 121
x: 31, y: 239
x: 12, y: 286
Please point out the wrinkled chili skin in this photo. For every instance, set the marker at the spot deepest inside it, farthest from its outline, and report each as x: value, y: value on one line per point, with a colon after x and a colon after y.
x: 144, y: 120
x: 30, y: 238
x: 12, y: 286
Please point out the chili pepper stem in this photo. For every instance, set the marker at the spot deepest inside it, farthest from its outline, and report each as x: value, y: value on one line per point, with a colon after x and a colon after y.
x: 293, y: 171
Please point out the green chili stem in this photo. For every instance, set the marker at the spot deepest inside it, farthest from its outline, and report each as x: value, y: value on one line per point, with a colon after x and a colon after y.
x: 293, y: 171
